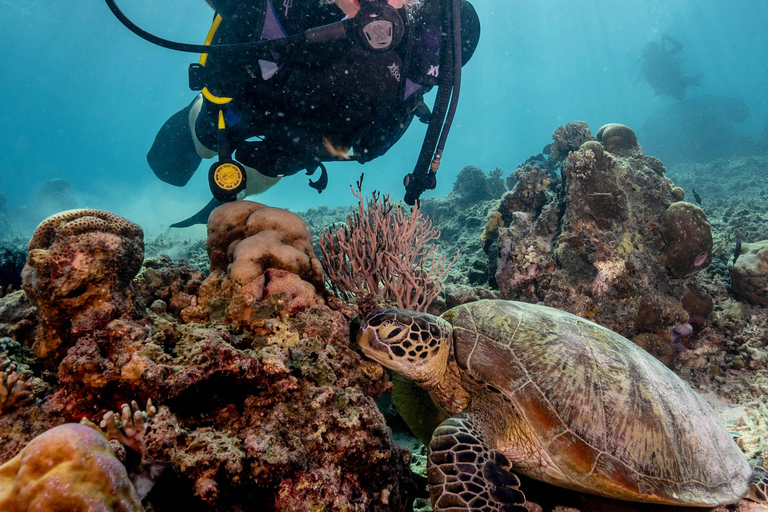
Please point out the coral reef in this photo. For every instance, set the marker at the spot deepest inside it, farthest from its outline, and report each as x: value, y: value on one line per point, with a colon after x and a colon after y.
x: 79, y: 271
x: 259, y: 395
x: 749, y: 272
x: 70, y: 467
x: 260, y: 398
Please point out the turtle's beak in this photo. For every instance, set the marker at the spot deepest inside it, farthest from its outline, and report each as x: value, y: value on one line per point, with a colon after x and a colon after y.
x: 368, y: 340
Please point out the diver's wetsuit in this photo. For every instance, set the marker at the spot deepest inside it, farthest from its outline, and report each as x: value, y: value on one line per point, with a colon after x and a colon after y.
x: 303, y: 102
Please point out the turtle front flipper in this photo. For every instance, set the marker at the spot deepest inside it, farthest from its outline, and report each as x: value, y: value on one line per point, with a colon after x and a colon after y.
x: 465, y: 473
x: 416, y: 407
x: 758, y: 488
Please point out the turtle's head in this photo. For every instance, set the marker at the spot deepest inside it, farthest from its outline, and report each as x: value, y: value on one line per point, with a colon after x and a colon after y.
x: 415, y: 345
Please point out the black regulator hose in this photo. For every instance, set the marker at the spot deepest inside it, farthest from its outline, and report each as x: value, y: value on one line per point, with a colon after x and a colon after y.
x: 199, y: 48
x: 456, y: 78
x: 423, y: 176
x: 362, y: 28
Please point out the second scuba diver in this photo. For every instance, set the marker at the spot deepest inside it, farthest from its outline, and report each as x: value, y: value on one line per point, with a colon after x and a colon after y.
x: 663, y: 70
x: 281, y: 110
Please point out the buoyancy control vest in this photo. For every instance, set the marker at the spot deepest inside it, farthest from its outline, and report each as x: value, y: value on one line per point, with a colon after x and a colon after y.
x: 387, y: 113
x: 334, y: 90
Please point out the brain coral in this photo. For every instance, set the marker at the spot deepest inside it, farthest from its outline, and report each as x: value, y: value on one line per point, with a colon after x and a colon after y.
x: 619, y: 139
x: 79, y: 273
x: 70, y: 467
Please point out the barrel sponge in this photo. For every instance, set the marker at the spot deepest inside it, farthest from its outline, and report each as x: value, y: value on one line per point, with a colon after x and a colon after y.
x: 70, y: 467
x: 687, y: 239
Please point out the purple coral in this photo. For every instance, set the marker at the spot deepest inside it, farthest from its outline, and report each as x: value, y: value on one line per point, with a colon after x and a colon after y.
x: 677, y: 334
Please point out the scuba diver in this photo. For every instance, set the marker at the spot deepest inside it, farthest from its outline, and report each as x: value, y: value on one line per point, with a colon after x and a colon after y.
x: 318, y: 81
x: 663, y: 70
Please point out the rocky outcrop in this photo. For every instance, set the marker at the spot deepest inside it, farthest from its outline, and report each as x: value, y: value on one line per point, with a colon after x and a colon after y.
x: 749, y: 272
x: 610, y: 243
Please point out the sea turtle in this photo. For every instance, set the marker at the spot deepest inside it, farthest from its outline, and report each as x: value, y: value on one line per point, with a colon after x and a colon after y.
x: 545, y: 393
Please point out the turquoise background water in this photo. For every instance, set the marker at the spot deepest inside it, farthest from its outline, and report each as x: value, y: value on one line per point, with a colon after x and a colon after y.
x: 83, y: 97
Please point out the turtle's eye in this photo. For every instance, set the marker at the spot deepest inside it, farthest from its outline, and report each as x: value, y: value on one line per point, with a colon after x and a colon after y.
x: 391, y: 331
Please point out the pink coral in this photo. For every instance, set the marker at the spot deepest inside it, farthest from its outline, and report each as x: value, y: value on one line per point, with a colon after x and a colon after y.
x: 382, y: 251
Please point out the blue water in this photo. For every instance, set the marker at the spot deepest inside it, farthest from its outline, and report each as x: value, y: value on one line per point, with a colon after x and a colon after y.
x: 83, y: 97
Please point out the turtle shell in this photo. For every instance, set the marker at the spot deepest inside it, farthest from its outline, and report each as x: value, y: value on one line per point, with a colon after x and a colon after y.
x: 592, y: 411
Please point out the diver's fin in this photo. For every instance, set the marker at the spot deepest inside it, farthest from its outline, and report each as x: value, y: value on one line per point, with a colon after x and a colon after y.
x: 200, y: 217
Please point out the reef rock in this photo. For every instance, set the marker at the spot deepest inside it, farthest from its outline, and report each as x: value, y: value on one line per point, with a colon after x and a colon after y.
x: 79, y: 272
x: 593, y: 248
x: 749, y: 273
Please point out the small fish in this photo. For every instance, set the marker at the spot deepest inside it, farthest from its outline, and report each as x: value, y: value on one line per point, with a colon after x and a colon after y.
x: 737, y: 252
x: 696, y: 196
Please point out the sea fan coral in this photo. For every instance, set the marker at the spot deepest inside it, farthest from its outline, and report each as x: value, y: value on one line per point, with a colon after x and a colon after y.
x: 382, y: 251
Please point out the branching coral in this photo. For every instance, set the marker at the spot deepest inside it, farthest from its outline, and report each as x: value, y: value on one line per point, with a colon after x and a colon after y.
x: 129, y: 430
x: 383, y: 251
x: 130, y: 426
